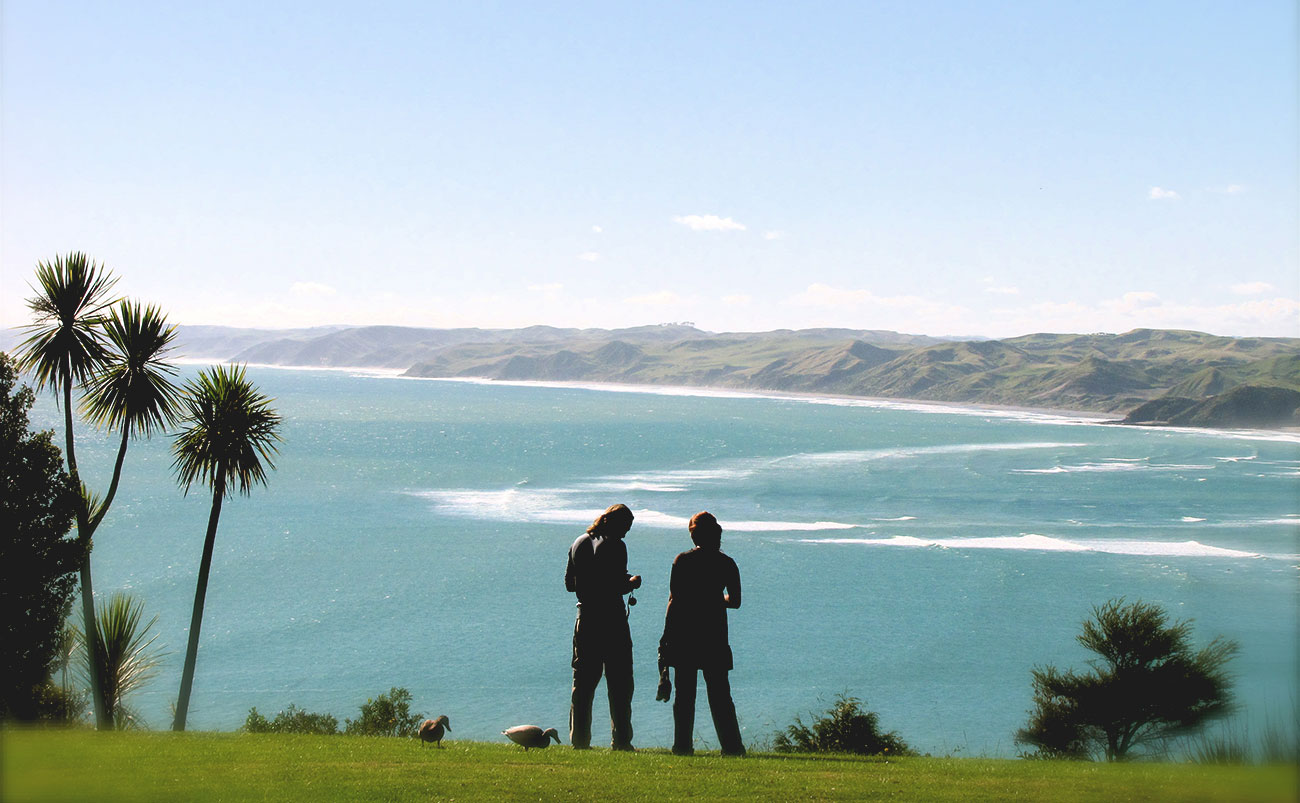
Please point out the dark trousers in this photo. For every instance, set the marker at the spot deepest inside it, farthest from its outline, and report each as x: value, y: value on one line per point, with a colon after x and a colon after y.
x: 602, y: 644
x: 720, y: 705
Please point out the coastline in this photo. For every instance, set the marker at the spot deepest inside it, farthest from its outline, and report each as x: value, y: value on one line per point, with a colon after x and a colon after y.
x: 1046, y: 414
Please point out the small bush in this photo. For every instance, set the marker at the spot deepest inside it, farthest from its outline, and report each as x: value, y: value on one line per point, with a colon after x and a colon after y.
x: 291, y: 720
x: 59, y: 705
x: 845, y: 728
x: 386, y: 715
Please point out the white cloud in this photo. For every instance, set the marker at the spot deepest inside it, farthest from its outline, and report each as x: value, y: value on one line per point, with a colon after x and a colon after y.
x: 1252, y: 288
x: 708, y: 223
x: 589, y: 256
x: 738, y: 300
x: 1235, y: 189
x: 1007, y: 290
x: 1162, y: 194
x: 1131, y: 301
x: 312, y: 289
x: 553, y: 287
x: 773, y: 235
x: 596, y: 229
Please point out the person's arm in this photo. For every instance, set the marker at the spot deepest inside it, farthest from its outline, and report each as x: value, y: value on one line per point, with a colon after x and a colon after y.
x: 664, y: 692
x: 570, y: 576
x: 731, y: 594
x: 631, y: 581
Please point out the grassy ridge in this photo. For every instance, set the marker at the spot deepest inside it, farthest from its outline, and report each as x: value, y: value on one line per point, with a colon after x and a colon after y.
x: 81, y: 765
x: 1109, y: 373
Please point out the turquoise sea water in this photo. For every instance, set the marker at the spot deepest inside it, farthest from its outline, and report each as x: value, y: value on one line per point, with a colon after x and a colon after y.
x: 920, y: 558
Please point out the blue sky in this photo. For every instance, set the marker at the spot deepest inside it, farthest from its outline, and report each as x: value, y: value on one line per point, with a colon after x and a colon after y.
x: 945, y: 168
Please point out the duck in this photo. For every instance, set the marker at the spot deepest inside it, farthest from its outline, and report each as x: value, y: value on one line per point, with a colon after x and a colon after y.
x: 531, y: 736
x: 431, y: 729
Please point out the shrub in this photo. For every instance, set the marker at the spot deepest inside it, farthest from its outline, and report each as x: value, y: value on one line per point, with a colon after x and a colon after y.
x: 386, y: 715
x: 292, y: 720
x: 845, y: 728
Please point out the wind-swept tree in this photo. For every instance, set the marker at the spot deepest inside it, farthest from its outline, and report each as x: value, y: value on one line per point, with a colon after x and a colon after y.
x: 227, y: 440
x: 1146, y: 685
x: 118, y: 357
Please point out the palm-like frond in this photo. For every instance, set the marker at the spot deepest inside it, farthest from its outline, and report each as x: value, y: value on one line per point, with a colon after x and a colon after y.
x: 229, y: 433
x: 126, y: 660
x: 64, y: 347
x: 133, y: 390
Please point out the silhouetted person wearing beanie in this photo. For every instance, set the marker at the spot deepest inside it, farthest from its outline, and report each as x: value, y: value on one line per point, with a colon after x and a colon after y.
x: 705, y: 583
x: 602, y: 642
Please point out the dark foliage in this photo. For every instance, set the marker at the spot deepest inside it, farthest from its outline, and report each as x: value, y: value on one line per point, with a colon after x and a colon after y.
x: 38, y: 565
x: 1146, y: 686
x: 845, y: 728
x: 386, y: 715
x: 292, y: 720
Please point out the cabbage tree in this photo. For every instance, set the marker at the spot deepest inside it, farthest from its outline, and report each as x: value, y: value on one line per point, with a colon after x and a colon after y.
x: 116, y: 354
x: 227, y: 440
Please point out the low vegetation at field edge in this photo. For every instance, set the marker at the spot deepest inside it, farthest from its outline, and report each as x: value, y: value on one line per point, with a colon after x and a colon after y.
x: 40, y: 765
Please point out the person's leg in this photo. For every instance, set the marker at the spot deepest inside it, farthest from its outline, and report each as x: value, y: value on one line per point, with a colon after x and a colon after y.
x: 724, y: 712
x: 586, y: 674
x: 618, y: 682
x: 684, y: 711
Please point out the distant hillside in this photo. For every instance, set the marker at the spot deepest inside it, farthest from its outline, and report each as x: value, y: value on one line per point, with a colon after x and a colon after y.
x: 1189, y: 376
x: 1242, y: 406
x: 1103, y: 373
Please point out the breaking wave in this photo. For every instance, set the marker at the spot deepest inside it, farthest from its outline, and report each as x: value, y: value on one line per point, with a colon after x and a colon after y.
x: 1115, y: 465
x: 550, y: 507
x: 1044, y: 543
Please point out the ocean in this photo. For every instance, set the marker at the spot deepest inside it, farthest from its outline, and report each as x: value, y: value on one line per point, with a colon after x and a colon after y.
x: 922, y: 558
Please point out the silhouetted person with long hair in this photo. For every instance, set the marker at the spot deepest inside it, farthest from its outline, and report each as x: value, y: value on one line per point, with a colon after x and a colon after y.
x: 705, y: 583
x: 602, y: 642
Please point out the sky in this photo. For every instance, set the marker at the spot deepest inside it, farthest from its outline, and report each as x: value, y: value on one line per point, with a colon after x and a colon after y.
x: 932, y: 167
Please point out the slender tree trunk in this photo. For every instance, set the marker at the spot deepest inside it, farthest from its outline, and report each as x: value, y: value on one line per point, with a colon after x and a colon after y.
x: 84, y: 532
x: 200, y: 592
x: 112, y: 486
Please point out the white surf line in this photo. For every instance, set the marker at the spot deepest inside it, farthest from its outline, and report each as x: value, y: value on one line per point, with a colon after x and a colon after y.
x: 1044, y: 543
x: 1106, y: 467
x: 836, y: 401
x: 516, y: 504
x: 360, y: 371
x: 1075, y: 418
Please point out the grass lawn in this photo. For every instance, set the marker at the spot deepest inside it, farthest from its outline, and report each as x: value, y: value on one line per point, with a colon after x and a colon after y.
x: 83, y: 765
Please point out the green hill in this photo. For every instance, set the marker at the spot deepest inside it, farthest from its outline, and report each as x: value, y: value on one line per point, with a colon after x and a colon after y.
x: 1105, y: 373
x: 1242, y: 406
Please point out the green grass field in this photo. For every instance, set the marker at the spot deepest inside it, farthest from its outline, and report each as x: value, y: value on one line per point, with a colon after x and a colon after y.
x: 83, y: 765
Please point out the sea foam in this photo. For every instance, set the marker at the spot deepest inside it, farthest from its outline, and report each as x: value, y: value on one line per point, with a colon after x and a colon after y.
x: 1044, y: 543
x: 1114, y: 466
x: 550, y: 507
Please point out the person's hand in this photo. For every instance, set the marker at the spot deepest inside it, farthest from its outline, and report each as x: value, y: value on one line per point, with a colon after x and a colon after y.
x: 635, y: 582
x: 665, y: 691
